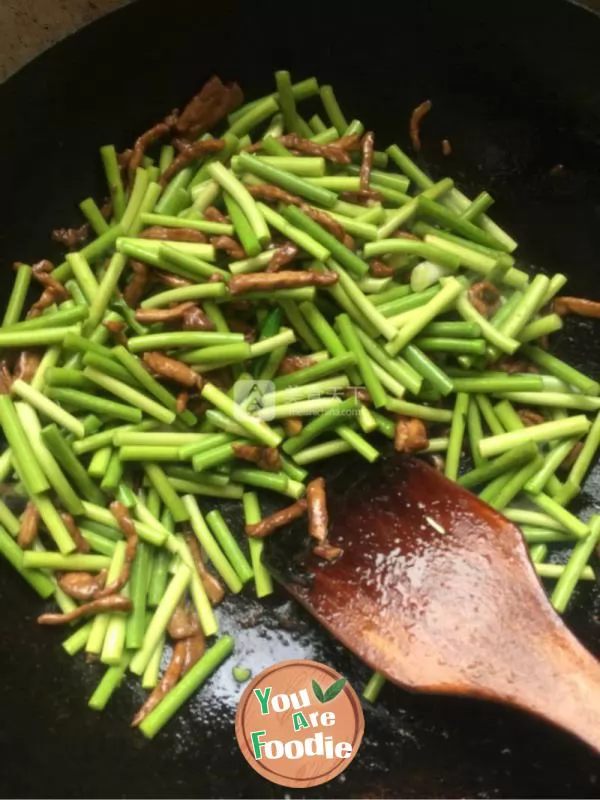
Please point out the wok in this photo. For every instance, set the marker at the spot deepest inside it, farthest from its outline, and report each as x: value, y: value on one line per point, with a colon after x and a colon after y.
x: 515, y: 89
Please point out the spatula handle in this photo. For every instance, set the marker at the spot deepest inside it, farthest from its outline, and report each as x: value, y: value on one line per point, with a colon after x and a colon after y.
x: 567, y: 689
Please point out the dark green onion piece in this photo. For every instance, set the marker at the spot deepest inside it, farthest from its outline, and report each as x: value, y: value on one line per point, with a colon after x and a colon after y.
x: 505, y: 463
x: 229, y: 545
x: 552, y: 462
x: 112, y: 171
x: 373, y: 688
x: 107, y: 365
x: 190, y: 264
x: 176, y: 197
x: 567, y: 520
x: 301, y: 91
x: 89, y: 402
x: 255, y: 427
x: 91, y: 251
x: 327, y: 335
x: 245, y: 232
x: 14, y: 555
x: 450, y: 220
x: 187, y: 686
x: 560, y: 400
x: 176, y: 339
x: 399, y: 303
x: 18, y: 294
x: 489, y: 415
x: 563, y: 371
x: 364, y: 366
x: 45, y: 406
x: 159, y: 577
x: 33, y: 338
x: 403, y: 372
x: 139, y: 373
x: 330, y: 419
x: 490, y: 384
x: 130, y: 395
x: 289, y: 231
x: 515, y: 484
x: 286, y: 180
x: 358, y: 443
x: 167, y: 494
x: 272, y: 147
x: 94, y: 216
x: 546, y: 431
x: 480, y: 204
x: 243, y: 198
x: 586, y: 455
x: 333, y: 110
x: 213, y: 550
x: 259, y: 112
x: 439, y: 344
x: 316, y: 371
x: 580, y: 556
x: 353, y: 263
x: 106, y: 288
x: 457, y: 433
x: 111, y: 681
x: 475, y: 432
x: 437, y: 305
x: 23, y: 457
x: 287, y: 103
x: 534, y: 535
x: 61, y: 450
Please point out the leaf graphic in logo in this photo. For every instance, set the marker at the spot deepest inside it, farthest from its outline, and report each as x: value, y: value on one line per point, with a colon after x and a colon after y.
x: 318, y: 692
x: 334, y: 690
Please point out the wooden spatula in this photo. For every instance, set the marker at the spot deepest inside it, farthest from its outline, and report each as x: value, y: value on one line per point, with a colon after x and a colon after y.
x: 435, y: 590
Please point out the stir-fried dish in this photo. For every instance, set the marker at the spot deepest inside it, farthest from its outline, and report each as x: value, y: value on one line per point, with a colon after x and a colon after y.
x: 257, y: 293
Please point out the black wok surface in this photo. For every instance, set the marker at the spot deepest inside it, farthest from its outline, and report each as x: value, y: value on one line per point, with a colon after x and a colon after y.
x: 515, y: 88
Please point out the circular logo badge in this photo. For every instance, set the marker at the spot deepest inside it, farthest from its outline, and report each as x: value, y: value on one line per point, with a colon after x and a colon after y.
x: 299, y: 723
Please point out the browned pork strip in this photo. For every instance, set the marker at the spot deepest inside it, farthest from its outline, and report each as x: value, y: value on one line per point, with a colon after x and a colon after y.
x: 229, y: 245
x: 212, y: 585
x: 415, y: 123
x: 149, y: 315
x: 146, y: 140
x: 208, y: 107
x: 173, y: 234
x: 134, y: 291
x: 332, y: 152
x: 172, y: 369
x: 81, y: 544
x: 318, y: 519
x: 113, y: 603
x: 82, y: 585
x: 368, y: 146
x: 188, y: 154
x: 277, y: 520
x: 576, y: 305
x: 270, y: 281
x: 167, y: 682
x: 266, y: 458
x: 30, y: 523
